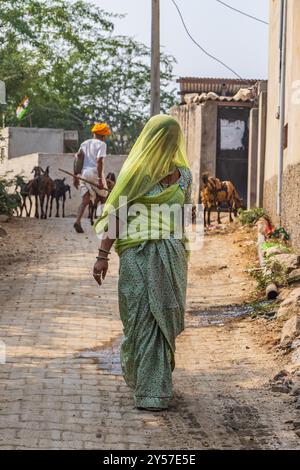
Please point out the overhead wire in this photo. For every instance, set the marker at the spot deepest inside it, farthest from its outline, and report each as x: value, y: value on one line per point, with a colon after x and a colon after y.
x: 242, y: 12
x: 201, y: 47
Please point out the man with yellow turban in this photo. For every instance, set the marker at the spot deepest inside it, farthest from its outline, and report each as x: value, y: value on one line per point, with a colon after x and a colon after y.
x: 91, y: 153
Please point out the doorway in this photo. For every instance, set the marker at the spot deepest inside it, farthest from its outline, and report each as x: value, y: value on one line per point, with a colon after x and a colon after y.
x: 232, y: 148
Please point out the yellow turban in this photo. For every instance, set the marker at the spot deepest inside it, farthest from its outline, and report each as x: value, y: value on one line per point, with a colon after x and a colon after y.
x: 101, y: 128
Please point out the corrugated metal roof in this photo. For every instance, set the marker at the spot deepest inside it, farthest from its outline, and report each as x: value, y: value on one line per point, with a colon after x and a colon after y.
x: 220, y: 86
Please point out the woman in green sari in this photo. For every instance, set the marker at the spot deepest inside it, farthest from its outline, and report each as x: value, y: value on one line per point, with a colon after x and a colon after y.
x: 153, y: 257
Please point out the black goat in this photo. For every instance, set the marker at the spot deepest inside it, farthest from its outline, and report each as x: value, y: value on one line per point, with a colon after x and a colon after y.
x: 24, y: 193
x: 59, y: 192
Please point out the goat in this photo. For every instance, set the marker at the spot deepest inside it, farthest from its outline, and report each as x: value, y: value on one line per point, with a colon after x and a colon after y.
x: 209, y: 195
x: 110, y: 181
x: 214, y: 193
x: 33, y: 187
x: 59, y: 192
x: 41, y: 187
x: 24, y: 193
x: 228, y: 194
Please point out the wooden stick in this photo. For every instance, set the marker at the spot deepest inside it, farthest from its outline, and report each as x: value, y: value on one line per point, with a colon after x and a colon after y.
x: 83, y: 179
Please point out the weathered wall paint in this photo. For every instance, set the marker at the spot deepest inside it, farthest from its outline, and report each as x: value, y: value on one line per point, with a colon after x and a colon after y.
x: 291, y: 163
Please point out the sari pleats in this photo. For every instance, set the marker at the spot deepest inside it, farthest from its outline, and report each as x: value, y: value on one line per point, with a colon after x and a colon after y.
x: 152, y: 289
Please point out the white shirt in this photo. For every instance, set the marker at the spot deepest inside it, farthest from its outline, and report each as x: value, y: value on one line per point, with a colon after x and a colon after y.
x: 93, y: 149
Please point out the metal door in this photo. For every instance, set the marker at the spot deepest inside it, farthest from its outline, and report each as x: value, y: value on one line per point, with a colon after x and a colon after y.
x: 232, y: 148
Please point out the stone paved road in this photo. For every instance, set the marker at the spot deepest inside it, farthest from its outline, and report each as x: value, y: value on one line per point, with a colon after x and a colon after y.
x: 61, y: 387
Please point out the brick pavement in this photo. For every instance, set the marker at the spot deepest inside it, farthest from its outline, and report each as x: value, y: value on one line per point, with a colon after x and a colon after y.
x: 62, y: 388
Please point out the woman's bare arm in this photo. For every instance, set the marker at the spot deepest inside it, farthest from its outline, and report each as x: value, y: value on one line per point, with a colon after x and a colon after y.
x: 101, y: 265
x: 106, y: 243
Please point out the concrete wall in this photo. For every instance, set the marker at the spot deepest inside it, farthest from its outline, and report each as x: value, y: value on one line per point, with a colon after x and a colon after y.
x: 252, y: 158
x: 189, y: 117
x: 209, y: 119
x: 24, y: 165
x: 261, y: 146
x: 25, y: 141
x: 199, y: 125
x: 20, y: 141
x: 114, y: 163
x: 291, y: 164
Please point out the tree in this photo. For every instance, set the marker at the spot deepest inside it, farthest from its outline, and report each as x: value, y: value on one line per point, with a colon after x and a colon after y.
x: 65, y: 56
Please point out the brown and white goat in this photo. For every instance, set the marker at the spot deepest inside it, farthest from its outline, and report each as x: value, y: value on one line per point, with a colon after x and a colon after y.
x: 214, y: 193
x: 93, y: 205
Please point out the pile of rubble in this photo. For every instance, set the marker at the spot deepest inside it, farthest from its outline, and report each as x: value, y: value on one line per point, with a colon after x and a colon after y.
x: 277, y: 257
x: 288, y: 316
x: 288, y: 380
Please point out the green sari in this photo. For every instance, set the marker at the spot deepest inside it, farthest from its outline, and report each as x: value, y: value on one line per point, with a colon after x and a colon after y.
x: 152, y: 291
x: 153, y: 268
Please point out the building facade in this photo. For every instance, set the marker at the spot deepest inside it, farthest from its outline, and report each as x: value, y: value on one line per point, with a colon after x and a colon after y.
x: 218, y: 120
x: 282, y: 158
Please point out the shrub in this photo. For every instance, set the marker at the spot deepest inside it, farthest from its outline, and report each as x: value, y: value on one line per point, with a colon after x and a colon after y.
x: 249, y: 217
x: 8, y: 201
x: 276, y: 273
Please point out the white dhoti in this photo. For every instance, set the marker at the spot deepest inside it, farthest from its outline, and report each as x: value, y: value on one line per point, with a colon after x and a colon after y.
x: 91, y: 174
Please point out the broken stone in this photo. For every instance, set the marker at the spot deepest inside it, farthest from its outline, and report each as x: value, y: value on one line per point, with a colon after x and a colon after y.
x: 261, y: 226
x: 290, y: 306
x: 295, y: 358
x: 298, y: 403
x: 274, y: 250
x: 3, y: 232
x: 288, y: 261
x: 290, y: 331
x: 294, y: 276
x: 296, y: 389
x: 281, y: 388
x: 296, y: 425
x: 4, y: 218
x: 295, y: 344
x: 281, y: 375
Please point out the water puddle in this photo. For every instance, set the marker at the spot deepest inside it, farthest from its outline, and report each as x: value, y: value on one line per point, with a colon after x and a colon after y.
x: 220, y: 315
x: 107, y: 357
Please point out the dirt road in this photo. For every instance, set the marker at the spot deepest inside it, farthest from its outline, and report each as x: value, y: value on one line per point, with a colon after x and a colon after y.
x: 62, y: 385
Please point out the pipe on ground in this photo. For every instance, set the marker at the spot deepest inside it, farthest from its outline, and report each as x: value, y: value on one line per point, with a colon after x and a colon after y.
x: 271, y: 289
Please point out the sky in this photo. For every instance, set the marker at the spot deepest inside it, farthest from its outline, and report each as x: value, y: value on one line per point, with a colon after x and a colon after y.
x: 240, y: 42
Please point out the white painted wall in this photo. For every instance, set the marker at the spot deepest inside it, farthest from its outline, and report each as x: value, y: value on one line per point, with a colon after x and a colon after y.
x: 292, y: 111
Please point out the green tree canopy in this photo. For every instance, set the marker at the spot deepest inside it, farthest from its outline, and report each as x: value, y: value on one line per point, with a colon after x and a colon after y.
x: 65, y: 57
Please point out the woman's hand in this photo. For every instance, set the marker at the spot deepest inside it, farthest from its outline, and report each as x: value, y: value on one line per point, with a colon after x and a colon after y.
x: 100, y: 270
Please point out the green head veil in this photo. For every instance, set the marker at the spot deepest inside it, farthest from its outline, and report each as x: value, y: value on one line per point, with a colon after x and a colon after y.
x: 157, y: 152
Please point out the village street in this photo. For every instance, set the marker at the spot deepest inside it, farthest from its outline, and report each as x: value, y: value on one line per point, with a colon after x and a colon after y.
x: 61, y: 386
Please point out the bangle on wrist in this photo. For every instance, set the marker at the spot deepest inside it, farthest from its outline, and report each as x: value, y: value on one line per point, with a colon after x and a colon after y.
x: 102, y: 257
x: 104, y: 251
